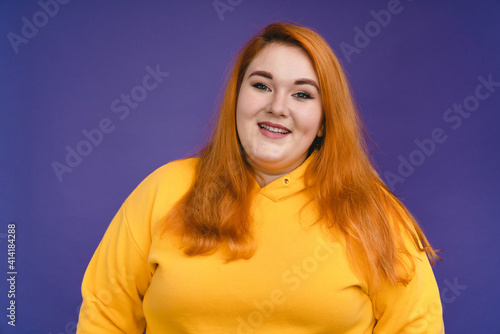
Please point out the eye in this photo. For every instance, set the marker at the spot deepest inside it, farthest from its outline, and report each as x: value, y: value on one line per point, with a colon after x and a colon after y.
x: 261, y: 86
x: 303, y: 95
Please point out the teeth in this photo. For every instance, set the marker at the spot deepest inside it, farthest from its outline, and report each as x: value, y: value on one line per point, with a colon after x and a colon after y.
x: 275, y: 130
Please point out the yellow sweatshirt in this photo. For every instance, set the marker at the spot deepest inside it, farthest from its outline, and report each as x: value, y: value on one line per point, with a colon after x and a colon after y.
x: 298, y: 281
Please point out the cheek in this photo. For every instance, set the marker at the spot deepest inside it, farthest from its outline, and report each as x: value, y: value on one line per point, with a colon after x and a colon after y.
x: 243, y: 119
x: 246, y: 112
x: 310, y: 124
x: 246, y: 105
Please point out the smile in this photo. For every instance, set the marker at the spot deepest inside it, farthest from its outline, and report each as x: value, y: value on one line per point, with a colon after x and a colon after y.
x: 273, y: 129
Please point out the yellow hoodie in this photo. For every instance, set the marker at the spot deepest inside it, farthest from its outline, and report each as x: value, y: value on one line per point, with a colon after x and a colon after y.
x: 298, y: 281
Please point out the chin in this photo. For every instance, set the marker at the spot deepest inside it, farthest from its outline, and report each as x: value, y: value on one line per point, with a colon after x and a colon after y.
x: 270, y: 156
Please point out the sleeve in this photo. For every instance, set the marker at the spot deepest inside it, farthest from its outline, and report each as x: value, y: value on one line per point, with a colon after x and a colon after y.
x: 414, y: 308
x: 115, y: 282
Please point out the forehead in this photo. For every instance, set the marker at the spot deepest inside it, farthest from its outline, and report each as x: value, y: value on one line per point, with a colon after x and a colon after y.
x: 283, y: 60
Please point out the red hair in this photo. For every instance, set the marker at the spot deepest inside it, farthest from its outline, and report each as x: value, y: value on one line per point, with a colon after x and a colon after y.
x: 350, y: 195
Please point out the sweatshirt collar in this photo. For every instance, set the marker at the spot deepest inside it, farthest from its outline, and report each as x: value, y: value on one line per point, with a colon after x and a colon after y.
x: 287, y: 185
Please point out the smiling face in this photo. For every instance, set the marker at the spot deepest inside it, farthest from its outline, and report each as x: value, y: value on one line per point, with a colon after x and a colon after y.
x: 279, y: 113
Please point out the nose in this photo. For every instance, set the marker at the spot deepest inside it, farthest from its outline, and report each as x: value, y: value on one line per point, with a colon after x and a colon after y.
x: 278, y: 106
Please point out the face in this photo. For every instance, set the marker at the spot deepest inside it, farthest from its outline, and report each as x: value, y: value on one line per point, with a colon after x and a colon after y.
x: 279, y: 114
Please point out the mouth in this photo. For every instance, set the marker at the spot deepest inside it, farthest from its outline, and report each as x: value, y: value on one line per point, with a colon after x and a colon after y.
x: 274, y: 128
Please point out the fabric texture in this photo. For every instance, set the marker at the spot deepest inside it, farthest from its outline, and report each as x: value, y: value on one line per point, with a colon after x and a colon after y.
x: 298, y: 281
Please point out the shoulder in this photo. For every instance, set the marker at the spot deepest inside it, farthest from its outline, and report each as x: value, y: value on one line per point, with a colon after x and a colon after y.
x: 175, y: 174
x: 162, y: 188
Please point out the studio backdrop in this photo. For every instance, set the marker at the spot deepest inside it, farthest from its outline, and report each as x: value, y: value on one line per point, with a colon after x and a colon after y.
x: 95, y: 95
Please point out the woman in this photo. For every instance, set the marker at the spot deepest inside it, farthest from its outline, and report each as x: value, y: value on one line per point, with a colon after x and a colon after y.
x: 281, y: 225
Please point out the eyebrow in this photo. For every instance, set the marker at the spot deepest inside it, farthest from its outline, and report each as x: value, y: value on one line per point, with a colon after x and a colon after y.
x: 301, y: 81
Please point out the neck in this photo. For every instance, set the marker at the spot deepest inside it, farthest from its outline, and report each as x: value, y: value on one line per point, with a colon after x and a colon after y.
x: 264, y: 175
x: 264, y: 179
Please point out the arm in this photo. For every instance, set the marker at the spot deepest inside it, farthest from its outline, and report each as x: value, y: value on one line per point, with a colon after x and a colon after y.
x: 119, y: 273
x: 414, y: 308
x: 115, y: 282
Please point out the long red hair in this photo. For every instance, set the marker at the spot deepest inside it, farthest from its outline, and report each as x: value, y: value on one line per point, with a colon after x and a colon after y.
x: 350, y: 195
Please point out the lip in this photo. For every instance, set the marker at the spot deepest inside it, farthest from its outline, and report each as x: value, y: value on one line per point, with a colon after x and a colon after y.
x: 275, y: 126
x: 273, y: 135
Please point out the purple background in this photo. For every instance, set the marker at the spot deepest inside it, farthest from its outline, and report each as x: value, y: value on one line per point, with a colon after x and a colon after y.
x: 64, y: 79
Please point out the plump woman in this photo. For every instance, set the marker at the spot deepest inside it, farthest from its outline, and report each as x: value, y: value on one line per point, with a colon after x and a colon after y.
x: 280, y: 225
